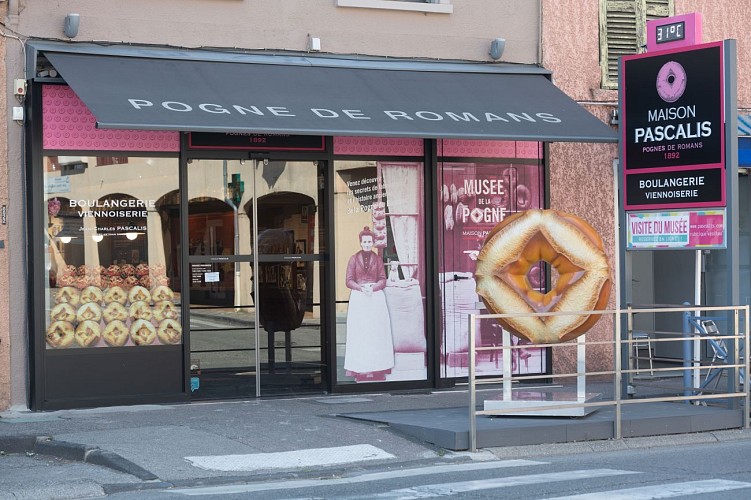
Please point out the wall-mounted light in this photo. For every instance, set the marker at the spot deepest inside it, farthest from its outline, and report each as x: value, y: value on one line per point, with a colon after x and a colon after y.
x: 496, y: 48
x: 72, y: 21
x: 314, y: 44
x: 131, y: 236
x: 66, y: 239
x: 614, y: 121
x: 97, y: 237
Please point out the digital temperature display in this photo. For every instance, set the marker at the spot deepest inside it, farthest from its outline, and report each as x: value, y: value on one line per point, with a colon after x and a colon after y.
x: 670, y: 32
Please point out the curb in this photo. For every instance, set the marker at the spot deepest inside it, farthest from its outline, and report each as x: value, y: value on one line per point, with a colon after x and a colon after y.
x: 45, y: 445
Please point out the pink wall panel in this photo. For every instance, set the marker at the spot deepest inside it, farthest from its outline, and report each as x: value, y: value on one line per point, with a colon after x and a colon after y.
x: 529, y: 150
x: 377, y: 146
x: 490, y: 149
x: 68, y: 124
x: 476, y: 149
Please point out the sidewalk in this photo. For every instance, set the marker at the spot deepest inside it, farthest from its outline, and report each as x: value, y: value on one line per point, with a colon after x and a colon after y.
x: 164, y: 445
x: 159, y: 446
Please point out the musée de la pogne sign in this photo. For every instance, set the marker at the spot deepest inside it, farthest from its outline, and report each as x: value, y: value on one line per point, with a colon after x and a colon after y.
x: 673, y: 122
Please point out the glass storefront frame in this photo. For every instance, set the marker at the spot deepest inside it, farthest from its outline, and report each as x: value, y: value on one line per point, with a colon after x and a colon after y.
x: 285, y: 250
x: 39, y: 365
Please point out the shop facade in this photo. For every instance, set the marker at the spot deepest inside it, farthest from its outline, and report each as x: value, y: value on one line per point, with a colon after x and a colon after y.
x: 214, y: 246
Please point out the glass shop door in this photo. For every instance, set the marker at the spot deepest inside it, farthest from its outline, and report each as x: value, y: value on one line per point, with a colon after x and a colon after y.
x: 256, y: 239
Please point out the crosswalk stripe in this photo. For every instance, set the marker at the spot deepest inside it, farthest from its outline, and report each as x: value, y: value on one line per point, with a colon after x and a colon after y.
x: 288, y: 459
x: 365, y: 478
x: 446, y: 489
x: 662, y: 491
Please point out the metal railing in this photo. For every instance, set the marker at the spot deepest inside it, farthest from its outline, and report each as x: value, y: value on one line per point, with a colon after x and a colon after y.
x: 694, y: 394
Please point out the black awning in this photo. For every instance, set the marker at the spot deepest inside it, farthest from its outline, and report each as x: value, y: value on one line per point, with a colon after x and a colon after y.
x: 214, y: 96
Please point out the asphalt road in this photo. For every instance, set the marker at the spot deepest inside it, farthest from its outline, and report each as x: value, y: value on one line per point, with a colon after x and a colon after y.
x: 701, y: 471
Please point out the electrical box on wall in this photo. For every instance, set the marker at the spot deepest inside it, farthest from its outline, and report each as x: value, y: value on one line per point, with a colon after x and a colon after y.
x: 19, y: 86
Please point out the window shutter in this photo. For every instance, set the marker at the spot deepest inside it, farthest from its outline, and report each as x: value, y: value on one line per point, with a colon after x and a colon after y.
x: 657, y: 9
x: 623, y: 31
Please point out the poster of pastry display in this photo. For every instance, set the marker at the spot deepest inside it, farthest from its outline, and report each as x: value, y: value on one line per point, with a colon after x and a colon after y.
x: 474, y: 198
x: 127, y: 302
x: 380, y: 284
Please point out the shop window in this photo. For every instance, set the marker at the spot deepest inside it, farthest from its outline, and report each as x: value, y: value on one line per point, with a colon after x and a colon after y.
x: 111, y: 253
x: 623, y: 31
x: 474, y: 196
x: 380, y: 274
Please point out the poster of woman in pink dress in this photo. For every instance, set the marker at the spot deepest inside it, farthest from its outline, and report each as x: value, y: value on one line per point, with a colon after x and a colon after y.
x: 369, y: 350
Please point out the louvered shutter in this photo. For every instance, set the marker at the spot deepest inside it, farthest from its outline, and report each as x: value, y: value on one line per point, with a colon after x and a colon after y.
x: 657, y: 9
x: 623, y: 31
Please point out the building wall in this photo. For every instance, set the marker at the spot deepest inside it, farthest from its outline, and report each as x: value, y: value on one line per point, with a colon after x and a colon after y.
x: 5, y: 366
x: 285, y: 25
x: 581, y: 175
x: 258, y: 25
x: 728, y: 19
x: 570, y: 49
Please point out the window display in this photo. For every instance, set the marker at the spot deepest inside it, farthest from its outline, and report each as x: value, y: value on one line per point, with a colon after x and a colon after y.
x: 111, y: 254
x: 380, y: 286
x: 473, y: 198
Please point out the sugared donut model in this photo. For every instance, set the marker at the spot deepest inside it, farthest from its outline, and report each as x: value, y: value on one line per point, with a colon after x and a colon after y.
x: 568, y: 244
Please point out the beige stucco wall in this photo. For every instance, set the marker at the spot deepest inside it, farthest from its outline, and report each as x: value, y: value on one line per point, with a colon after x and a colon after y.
x: 285, y: 25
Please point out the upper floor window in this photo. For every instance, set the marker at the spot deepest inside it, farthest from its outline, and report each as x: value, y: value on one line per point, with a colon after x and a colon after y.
x: 623, y: 31
x: 435, y: 6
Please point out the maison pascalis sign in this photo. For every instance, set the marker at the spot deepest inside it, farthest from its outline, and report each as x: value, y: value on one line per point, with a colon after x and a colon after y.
x: 673, y: 128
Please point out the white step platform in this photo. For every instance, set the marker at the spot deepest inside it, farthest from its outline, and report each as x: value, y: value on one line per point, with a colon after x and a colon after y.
x: 546, y: 404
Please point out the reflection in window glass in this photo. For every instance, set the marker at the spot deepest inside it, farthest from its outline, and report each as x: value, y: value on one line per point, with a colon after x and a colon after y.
x: 112, y: 242
x: 380, y: 278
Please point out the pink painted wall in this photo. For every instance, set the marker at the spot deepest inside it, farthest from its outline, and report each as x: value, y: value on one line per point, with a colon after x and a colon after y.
x: 581, y: 175
x: 726, y: 19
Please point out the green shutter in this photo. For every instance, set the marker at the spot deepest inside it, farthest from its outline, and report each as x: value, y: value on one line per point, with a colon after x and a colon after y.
x: 623, y: 31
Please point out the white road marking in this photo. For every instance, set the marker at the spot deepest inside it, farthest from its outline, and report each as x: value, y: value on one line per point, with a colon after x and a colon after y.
x: 448, y: 489
x: 663, y: 491
x: 288, y: 459
x: 365, y: 478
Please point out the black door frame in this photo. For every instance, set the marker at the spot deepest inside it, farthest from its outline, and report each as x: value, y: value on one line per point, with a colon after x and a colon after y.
x: 327, y: 308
